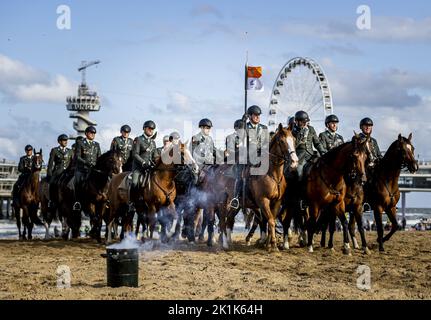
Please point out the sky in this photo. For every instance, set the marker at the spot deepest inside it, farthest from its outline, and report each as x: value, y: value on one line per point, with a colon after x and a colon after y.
x: 176, y: 62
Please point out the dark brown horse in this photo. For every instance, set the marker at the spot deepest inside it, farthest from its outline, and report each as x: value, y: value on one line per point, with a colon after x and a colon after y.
x: 48, y: 213
x: 28, y: 199
x: 265, y: 192
x: 94, y: 195
x: 326, y: 187
x: 383, y: 192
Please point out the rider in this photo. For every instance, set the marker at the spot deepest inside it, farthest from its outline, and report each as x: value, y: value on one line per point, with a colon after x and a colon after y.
x: 24, y: 168
x: 202, y: 145
x: 86, y: 154
x: 59, y: 160
x: 366, y: 125
x: 257, y: 138
x: 166, y: 144
x: 124, y: 145
x: 144, y: 157
x: 330, y: 138
x: 306, y: 138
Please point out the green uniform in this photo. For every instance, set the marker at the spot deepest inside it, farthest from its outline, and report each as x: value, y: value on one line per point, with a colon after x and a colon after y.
x: 306, y: 139
x: 144, y: 156
x: 86, y: 154
x: 59, y: 160
x: 203, y: 150
x: 374, y: 150
x: 124, y: 146
x: 330, y: 139
x: 25, y: 164
x: 258, y: 140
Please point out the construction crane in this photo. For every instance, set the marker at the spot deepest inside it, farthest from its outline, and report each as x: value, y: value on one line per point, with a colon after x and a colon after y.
x: 84, y: 66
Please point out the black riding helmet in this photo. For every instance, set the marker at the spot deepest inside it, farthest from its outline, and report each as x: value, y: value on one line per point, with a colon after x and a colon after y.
x: 62, y: 137
x: 366, y: 121
x: 254, y: 110
x: 205, y: 123
x: 126, y: 128
x: 238, y: 124
x: 28, y: 147
x: 302, y: 116
x: 331, y: 118
x: 91, y: 129
x: 150, y: 124
x: 174, y: 135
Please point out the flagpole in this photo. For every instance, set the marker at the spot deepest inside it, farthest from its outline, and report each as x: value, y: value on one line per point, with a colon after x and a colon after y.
x: 245, y: 128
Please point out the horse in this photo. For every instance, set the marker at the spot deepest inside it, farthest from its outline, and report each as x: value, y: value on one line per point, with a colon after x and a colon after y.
x: 48, y: 213
x: 326, y: 188
x: 265, y: 192
x: 94, y: 195
x: 158, y: 193
x: 383, y: 193
x: 28, y: 199
x: 353, y: 200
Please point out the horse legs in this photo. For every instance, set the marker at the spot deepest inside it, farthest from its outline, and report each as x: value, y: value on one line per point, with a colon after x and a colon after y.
x: 346, y: 244
x: 378, y: 219
x: 311, y: 225
x: 331, y: 225
x: 230, y: 221
x: 252, y: 230
x: 16, y: 211
x: 392, y: 215
x: 25, y: 222
x: 266, y: 210
x: 210, y: 224
x: 204, y: 224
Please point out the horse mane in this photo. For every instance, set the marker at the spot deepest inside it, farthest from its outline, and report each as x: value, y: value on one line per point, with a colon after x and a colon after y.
x: 332, y: 154
x: 105, y: 156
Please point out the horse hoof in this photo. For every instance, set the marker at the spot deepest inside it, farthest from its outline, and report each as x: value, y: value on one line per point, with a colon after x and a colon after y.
x: 347, y: 252
x: 273, y: 249
x: 310, y: 249
x: 332, y: 250
x: 247, y: 243
x: 209, y: 244
x: 381, y: 249
x: 366, y: 251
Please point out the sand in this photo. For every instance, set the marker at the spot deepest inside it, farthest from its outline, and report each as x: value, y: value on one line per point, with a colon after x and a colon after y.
x: 28, y: 271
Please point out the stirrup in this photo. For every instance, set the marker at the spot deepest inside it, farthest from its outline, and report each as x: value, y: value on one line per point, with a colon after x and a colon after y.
x: 76, y: 206
x: 234, y: 203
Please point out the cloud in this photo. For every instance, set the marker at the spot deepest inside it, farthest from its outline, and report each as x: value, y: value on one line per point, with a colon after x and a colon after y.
x: 388, y: 88
x: 206, y: 9
x: 178, y: 102
x: 383, y: 29
x: 332, y: 49
x: 23, y: 83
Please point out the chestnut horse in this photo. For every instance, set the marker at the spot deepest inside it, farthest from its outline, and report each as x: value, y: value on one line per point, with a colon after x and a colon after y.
x: 160, y: 192
x: 383, y: 192
x: 265, y: 192
x: 28, y: 199
x: 326, y: 187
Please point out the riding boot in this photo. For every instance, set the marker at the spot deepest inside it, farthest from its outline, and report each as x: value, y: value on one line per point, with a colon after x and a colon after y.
x: 234, y: 203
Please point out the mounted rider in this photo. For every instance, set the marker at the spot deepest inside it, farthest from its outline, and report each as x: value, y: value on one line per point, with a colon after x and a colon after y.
x: 306, y: 139
x: 257, y: 141
x: 144, y: 157
x: 366, y: 126
x: 59, y: 160
x: 124, y: 145
x: 202, y: 146
x: 86, y: 154
x: 25, y: 167
x: 330, y: 138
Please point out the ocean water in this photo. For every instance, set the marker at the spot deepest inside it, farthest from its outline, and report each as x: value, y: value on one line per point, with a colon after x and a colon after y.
x: 8, y: 228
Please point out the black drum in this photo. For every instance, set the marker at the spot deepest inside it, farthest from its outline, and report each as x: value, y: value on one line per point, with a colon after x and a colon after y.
x: 122, y: 267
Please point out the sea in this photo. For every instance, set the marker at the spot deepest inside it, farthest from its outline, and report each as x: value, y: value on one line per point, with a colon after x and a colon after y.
x: 8, y: 228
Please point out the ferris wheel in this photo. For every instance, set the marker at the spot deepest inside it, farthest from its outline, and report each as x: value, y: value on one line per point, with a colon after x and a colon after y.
x: 300, y: 85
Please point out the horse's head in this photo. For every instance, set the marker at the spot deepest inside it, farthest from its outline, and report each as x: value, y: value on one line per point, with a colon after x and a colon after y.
x: 359, y: 157
x: 110, y: 162
x: 406, y: 152
x: 187, y: 157
x: 37, y: 161
x: 285, y: 141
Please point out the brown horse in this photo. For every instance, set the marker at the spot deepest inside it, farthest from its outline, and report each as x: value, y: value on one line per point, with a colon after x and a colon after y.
x: 48, y: 214
x: 158, y: 193
x: 28, y: 199
x: 383, y: 192
x: 94, y: 192
x: 326, y: 187
x: 353, y: 201
x: 265, y: 192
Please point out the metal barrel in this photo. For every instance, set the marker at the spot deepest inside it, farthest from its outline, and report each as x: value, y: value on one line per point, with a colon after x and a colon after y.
x: 122, y: 267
